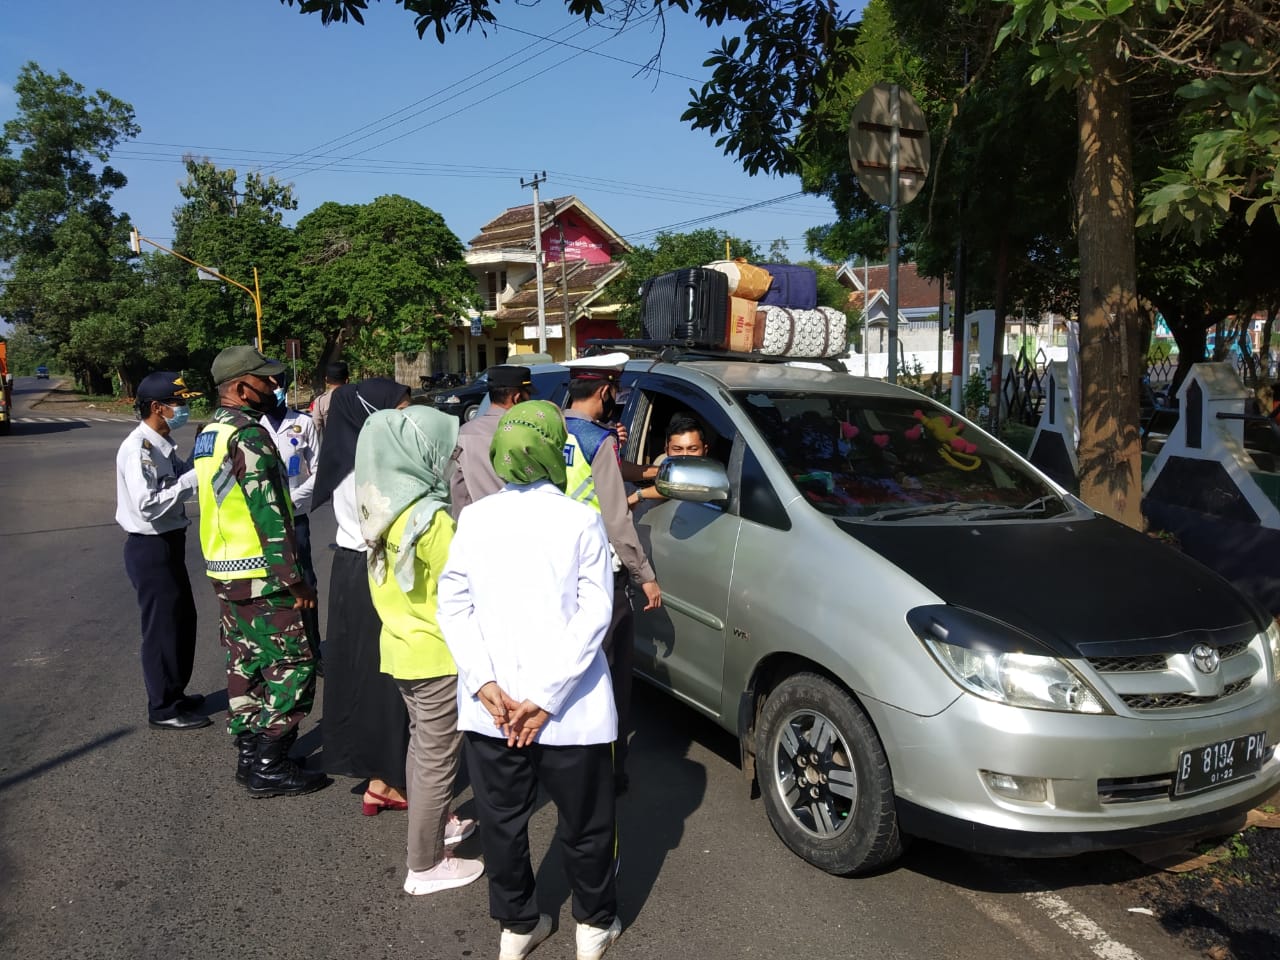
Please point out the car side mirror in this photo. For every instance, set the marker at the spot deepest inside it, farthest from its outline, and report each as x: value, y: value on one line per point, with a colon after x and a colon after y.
x: 697, y: 479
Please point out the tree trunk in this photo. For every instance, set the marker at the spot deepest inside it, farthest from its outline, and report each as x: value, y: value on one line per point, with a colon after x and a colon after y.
x: 1110, y: 450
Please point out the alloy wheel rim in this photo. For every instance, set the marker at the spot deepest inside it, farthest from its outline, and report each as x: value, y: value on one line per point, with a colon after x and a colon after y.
x: 814, y: 775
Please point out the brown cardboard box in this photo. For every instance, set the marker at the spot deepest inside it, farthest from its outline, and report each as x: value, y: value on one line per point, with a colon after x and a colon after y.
x: 742, y: 325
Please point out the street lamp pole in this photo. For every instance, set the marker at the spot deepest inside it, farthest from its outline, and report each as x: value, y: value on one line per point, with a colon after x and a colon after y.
x: 136, y: 240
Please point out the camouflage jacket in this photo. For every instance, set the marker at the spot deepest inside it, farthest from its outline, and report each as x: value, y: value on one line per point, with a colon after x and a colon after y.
x: 257, y: 467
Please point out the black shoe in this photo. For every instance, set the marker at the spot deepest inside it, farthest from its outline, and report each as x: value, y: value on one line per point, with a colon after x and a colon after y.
x: 181, y: 721
x: 246, y: 750
x: 191, y: 702
x: 273, y: 774
x: 319, y: 666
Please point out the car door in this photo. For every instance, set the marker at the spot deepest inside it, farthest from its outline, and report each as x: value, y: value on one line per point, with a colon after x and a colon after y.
x: 680, y: 646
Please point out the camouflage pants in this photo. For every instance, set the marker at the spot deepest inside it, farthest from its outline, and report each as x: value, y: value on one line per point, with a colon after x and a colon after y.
x: 270, y: 671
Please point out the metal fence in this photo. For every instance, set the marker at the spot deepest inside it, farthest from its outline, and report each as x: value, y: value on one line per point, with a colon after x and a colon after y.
x: 1023, y: 388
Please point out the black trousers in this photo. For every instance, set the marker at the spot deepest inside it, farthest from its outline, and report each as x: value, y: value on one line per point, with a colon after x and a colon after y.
x: 310, y: 617
x: 579, y: 781
x: 620, y: 652
x: 157, y: 568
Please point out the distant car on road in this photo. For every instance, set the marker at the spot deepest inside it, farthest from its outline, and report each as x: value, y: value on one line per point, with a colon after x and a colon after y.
x: 463, y: 401
x: 42, y: 372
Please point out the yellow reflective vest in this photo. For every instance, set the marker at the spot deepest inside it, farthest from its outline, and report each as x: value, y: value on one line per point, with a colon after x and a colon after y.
x: 228, y: 537
x: 579, y: 485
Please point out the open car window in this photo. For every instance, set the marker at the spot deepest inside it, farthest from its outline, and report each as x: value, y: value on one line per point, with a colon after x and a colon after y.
x: 895, y: 459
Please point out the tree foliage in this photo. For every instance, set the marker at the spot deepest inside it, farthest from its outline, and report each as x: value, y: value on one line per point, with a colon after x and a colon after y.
x: 63, y: 242
x: 381, y: 278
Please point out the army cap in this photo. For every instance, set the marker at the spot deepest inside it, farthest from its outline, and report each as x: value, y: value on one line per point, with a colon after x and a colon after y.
x: 164, y: 386
x: 510, y: 375
x: 241, y: 361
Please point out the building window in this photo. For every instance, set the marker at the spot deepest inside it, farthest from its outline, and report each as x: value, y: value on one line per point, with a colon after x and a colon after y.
x: 495, y: 284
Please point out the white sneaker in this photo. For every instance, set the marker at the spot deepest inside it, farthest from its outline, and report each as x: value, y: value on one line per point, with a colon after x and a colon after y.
x: 456, y: 830
x: 448, y: 873
x: 517, y: 946
x: 594, y: 941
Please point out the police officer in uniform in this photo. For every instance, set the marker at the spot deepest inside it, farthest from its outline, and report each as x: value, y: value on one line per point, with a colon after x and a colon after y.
x: 595, y: 478
x: 152, y: 483
x: 251, y: 558
x: 298, y: 441
x: 472, y: 475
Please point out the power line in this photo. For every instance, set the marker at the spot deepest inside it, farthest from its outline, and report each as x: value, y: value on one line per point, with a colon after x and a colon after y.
x: 349, y: 139
x: 463, y: 171
x: 715, y: 216
x: 310, y: 152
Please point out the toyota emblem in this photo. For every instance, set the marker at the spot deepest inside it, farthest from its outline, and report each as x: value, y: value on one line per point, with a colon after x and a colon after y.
x: 1205, y: 658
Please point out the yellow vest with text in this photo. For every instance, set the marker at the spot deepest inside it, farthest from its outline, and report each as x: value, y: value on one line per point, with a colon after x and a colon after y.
x: 228, y: 537
x: 579, y: 485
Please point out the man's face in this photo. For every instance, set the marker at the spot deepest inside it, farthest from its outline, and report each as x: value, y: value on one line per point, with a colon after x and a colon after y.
x: 256, y: 392
x: 686, y: 445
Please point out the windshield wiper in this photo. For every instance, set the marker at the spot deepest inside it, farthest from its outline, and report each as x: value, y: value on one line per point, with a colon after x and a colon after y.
x: 927, y: 510
x: 974, y: 511
x: 1037, y: 507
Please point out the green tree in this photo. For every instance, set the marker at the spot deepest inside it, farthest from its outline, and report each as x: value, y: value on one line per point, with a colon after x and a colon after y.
x: 669, y: 251
x: 236, y: 226
x: 381, y: 278
x: 64, y: 244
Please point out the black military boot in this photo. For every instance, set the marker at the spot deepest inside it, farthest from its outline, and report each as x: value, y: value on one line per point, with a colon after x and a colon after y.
x: 246, y: 750
x: 273, y: 774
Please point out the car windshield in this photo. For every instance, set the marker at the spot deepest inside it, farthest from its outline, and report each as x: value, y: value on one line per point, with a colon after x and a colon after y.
x: 895, y: 459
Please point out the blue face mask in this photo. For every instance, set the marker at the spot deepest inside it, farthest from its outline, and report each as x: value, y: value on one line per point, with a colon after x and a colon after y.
x: 281, y: 396
x: 180, y: 416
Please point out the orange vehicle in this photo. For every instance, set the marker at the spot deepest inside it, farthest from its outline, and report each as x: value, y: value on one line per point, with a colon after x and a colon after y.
x: 6, y: 391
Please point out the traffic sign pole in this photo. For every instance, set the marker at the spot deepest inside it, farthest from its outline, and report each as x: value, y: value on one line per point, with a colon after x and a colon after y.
x: 889, y: 152
x: 895, y: 147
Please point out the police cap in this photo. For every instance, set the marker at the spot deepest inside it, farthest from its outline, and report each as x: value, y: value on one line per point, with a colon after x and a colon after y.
x: 599, y: 374
x: 164, y: 386
x: 510, y: 375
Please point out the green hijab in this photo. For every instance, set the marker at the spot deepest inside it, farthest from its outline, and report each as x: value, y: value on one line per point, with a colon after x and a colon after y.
x: 529, y: 444
x: 401, y: 458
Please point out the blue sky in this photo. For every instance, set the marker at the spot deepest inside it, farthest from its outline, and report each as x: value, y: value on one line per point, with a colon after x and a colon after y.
x: 348, y: 113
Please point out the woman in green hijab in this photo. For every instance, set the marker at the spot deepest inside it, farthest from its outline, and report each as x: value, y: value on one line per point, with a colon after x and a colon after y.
x: 402, y: 503
x: 529, y: 444
x: 525, y: 601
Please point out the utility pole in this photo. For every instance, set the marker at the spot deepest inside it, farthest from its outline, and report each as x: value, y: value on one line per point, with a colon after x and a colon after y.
x: 535, y: 181
x: 564, y: 289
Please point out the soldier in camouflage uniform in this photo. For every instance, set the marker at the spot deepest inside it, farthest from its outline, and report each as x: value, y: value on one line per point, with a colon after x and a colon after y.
x: 250, y: 552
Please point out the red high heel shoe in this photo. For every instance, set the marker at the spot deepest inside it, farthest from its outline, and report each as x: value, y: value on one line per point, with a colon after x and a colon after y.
x: 380, y: 803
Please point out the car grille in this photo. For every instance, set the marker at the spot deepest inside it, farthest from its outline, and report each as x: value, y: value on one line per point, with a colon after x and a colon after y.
x: 1171, y: 701
x: 1155, y: 661
x: 1135, y: 789
x: 1152, y: 682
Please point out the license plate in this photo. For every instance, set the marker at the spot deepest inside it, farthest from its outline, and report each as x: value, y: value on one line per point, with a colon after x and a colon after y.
x: 1218, y: 764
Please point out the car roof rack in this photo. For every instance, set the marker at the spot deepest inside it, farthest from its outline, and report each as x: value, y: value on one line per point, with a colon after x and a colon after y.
x: 675, y: 351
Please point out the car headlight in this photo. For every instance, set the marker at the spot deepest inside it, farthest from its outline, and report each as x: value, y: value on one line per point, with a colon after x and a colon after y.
x: 1018, y: 679
x: 1273, y: 647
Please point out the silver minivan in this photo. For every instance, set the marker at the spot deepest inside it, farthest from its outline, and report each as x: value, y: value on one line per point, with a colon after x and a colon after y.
x: 912, y: 631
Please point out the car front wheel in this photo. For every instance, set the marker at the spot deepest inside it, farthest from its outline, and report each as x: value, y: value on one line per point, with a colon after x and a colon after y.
x: 824, y: 777
x: 469, y: 414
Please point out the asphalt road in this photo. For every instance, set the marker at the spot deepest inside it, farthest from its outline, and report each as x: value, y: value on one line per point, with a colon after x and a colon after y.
x: 117, y: 840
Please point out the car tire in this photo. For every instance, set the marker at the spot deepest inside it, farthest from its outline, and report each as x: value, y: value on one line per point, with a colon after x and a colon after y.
x: 469, y: 414
x: 824, y: 777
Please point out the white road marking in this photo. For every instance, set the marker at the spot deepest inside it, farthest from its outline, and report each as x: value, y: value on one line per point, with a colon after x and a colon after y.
x: 1080, y: 926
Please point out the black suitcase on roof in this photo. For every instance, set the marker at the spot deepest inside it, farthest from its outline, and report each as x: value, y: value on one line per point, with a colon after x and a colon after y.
x: 690, y: 304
